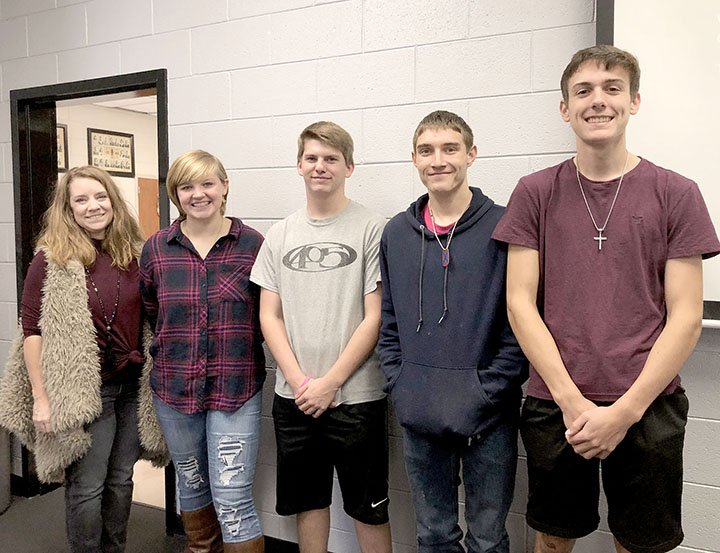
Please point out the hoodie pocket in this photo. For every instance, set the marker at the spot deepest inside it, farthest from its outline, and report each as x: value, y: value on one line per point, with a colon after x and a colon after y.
x: 393, y: 378
x: 440, y: 400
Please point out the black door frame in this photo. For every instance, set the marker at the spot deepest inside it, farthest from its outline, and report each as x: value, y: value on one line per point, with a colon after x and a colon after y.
x: 34, y: 154
x: 604, y: 22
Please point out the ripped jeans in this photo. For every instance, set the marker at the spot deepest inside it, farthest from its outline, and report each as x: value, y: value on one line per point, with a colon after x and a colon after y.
x: 214, y: 454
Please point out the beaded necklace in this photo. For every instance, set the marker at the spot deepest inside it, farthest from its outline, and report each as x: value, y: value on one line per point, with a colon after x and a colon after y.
x: 109, y: 357
x: 108, y: 322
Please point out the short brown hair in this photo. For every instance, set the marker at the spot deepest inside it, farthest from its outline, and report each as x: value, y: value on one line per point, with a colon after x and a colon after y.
x: 330, y: 134
x: 606, y: 56
x: 445, y: 120
x: 193, y: 166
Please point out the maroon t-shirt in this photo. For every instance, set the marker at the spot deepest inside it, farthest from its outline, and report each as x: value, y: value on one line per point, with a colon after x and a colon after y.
x: 125, y: 361
x: 605, y: 308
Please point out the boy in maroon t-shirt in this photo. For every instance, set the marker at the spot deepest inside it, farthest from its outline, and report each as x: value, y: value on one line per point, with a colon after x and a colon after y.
x: 605, y: 298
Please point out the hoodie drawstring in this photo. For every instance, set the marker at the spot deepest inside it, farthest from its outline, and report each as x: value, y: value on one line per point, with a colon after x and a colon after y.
x: 444, y: 294
x: 477, y: 208
x: 420, y: 279
x: 420, y: 284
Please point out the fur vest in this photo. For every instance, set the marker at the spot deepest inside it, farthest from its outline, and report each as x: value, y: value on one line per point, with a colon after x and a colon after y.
x: 71, y: 374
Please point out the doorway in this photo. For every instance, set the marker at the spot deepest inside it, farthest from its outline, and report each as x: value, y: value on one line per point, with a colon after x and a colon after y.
x: 35, y: 147
x: 42, y: 146
x: 126, y: 123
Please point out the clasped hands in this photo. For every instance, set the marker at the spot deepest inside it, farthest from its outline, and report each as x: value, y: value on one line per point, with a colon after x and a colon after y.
x: 596, y: 431
x: 314, y: 396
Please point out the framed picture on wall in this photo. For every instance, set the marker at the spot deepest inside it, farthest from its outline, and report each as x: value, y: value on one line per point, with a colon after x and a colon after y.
x: 112, y: 151
x: 62, y: 148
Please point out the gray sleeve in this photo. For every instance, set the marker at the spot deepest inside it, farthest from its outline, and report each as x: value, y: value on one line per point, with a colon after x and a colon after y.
x: 372, y: 254
x: 264, y: 272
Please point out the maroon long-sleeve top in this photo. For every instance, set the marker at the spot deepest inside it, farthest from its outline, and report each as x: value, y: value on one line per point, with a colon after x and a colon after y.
x: 123, y: 360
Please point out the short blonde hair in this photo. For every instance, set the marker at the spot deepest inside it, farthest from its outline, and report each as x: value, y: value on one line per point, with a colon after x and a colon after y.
x: 193, y: 166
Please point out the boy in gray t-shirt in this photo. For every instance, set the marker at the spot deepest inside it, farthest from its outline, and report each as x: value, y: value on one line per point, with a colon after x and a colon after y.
x: 320, y: 315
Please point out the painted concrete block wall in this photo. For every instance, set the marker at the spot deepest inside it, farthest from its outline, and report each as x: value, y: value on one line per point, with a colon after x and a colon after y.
x: 245, y: 76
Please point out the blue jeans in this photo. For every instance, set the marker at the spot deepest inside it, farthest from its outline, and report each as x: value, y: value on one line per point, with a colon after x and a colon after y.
x: 488, y: 471
x: 214, y: 453
x: 98, y: 487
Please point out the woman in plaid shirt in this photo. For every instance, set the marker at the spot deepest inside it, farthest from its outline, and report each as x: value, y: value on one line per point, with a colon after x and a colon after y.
x: 209, y: 363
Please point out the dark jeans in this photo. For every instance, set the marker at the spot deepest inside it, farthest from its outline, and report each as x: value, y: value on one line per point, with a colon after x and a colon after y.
x: 98, y: 487
x: 434, y: 467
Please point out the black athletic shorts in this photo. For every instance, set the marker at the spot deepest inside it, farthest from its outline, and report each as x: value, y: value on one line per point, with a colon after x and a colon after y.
x: 642, y: 478
x: 352, y: 439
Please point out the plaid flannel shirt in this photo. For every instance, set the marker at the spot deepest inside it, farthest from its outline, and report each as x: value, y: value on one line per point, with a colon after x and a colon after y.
x: 205, y: 312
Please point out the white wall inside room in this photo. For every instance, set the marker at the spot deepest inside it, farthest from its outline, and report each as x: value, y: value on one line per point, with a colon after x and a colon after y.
x: 142, y: 126
x: 679, y: 53
x: 246, y: 76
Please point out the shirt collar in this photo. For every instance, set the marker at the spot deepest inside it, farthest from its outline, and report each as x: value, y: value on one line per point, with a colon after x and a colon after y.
x: 175, y: 234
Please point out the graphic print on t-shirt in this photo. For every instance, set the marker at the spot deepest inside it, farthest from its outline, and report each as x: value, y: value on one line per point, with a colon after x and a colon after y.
x: 319, y: 257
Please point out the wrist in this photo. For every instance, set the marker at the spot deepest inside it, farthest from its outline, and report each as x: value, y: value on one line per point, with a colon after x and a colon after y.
x: 628, y: 410
x: 296, y: 380
x: 567, y: 400
x: 333, y: 381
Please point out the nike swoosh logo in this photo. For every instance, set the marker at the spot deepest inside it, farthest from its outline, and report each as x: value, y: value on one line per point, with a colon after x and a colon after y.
x: 373, y: 505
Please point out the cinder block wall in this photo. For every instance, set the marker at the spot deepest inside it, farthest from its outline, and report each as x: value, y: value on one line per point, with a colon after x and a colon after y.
x: 245, y: 76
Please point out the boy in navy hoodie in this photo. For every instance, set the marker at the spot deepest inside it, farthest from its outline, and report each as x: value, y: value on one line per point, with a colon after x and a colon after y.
x: 453, y: 366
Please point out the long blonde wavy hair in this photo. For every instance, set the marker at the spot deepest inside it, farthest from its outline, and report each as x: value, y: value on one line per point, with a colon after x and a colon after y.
x: 63, y: 240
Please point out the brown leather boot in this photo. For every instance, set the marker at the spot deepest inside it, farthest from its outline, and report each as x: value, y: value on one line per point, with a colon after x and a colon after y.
x: 253, y: 546
x: 202, y: 530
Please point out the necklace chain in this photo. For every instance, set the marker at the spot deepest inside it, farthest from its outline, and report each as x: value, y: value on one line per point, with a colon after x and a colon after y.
x: 445, y: 255
x: 108, y: 322
x: 600, y: 238
x: 445, y: 249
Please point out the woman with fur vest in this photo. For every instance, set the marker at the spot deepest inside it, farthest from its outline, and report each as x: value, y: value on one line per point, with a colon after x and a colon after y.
x: 73, y: 389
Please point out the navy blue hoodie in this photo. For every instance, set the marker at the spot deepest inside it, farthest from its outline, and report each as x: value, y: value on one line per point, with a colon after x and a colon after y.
x: 456, y: 376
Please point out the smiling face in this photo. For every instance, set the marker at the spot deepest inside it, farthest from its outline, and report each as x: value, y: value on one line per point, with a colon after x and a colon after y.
x: 599, y: 104
x: 202, y: 199
x: 91, y: 206
x: 442, y: 160
x: 323, y: 168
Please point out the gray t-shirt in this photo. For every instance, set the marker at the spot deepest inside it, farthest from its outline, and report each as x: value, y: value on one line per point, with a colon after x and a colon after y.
x: 322, y: 270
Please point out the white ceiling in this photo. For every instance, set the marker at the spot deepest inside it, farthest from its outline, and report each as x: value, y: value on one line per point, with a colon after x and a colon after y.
x: 142, y: 101
x: 147, y: 104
